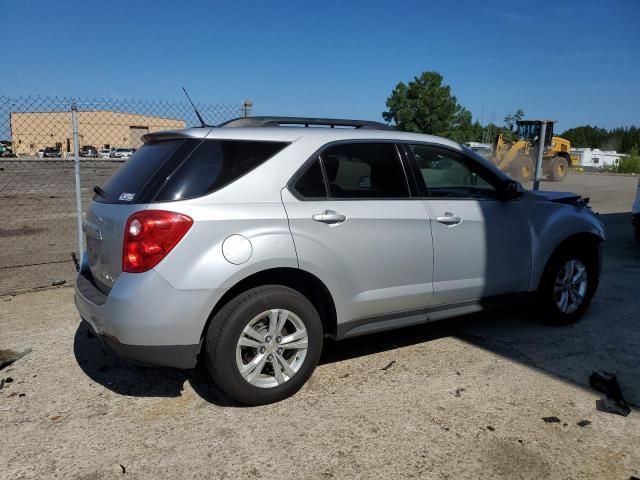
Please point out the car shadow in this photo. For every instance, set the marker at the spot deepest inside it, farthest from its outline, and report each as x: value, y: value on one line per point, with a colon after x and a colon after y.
x: 125, y: 378
x: 607, y: 338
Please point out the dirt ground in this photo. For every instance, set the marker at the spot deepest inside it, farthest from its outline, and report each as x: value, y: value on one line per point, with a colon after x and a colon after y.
x: 463, y: 398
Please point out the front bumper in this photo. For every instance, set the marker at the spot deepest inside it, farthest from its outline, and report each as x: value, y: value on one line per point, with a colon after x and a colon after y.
x: 145, y: 319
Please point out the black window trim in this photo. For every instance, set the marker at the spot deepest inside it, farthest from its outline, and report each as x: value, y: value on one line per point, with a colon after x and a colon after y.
x: 413, y: 194
x: 487, y: 174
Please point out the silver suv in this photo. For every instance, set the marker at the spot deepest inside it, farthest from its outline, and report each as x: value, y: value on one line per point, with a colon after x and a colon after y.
x: 247, y: 244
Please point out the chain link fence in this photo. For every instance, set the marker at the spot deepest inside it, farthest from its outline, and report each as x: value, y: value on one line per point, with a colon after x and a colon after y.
x: 38, y: 231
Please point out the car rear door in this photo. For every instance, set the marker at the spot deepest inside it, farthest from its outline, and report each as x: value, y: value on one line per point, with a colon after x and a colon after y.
x: 482, y: 244
x: 357, y: 227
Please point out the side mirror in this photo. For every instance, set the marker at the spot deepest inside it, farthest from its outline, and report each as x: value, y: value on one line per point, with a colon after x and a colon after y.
x: 510, y: 190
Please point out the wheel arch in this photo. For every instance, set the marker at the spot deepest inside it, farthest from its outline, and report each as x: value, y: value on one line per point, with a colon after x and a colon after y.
x: 582, y: 240
x: 297, y: 279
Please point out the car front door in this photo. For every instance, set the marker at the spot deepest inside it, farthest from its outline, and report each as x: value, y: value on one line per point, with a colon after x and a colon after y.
x: 482, y: 244
x: 356, y: 226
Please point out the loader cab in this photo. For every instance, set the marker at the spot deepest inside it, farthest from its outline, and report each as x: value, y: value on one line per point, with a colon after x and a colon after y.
x: 529, y: 130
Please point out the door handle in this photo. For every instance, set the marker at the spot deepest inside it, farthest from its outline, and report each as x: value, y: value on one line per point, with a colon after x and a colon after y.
x: 449, y: 219
x: 329, y: 217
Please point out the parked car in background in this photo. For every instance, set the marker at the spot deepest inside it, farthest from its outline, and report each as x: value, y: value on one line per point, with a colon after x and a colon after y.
x: 51, y: 152
x: 104, y: 153
x: 88, y: 151
x: 635, y: 213
x: 246, y: 245
x: 6, y: 149
x: 121, y: 152
x: 485, y: 150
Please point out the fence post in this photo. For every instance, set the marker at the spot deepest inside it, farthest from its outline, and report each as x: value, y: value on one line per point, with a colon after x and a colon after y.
x: 76, y: 161
x: 541, y: 139
x: 247, y: 107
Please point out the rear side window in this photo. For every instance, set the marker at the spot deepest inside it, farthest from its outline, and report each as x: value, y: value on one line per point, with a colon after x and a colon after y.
x: 364, y: 170
x: 185, y: 168
x: 214, y: 164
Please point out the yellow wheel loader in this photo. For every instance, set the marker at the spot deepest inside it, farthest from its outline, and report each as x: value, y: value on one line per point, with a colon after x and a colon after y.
x: 518, y: 158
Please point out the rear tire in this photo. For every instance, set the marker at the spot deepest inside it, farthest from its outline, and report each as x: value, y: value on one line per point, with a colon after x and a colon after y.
x: 264, y: 344
x: 522, y: 169
x: 568, y: 284
x: 559, y: 169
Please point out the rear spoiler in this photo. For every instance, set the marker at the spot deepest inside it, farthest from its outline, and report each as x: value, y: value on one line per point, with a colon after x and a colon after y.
x: 174, y: 134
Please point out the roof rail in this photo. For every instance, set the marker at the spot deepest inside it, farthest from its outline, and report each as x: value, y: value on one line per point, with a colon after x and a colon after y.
x: 304, y: 122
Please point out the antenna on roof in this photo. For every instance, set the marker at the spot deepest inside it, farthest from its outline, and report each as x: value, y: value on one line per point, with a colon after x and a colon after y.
x: 202, y: 123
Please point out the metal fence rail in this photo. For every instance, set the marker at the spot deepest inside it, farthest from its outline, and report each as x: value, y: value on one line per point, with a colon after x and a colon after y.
x: 38, y: 220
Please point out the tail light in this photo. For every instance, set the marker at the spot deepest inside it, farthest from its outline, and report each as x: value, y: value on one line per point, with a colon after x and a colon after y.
x: 149, y: 236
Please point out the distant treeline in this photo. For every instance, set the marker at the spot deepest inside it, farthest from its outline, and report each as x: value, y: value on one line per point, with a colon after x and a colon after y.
x: 622, y: 139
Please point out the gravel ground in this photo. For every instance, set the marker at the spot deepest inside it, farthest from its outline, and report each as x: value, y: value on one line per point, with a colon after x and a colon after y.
x: 463, y: 398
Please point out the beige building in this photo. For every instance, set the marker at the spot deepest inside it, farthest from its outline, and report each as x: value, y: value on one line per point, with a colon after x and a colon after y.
x: 33, y: 131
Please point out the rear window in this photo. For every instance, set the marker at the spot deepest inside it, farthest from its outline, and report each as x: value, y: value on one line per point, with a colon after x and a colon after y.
x: 127, y: 184
x: 181, y: 169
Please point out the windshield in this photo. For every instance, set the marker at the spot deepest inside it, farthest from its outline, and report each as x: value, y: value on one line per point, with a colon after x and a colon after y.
x: 528, y: 131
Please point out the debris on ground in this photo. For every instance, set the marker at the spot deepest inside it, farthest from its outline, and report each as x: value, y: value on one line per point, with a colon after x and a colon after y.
x: 459, y: 392
x: 613, y: 402
x: 490, y: 428
x: 57, y: 283
x: 389, y: 365
x: 1, y: 384
x: 7, y: 357
x: 551, y: 419
x: 583, y: 423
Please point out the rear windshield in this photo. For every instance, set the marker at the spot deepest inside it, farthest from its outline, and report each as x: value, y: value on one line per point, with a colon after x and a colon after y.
x: 186, y: 168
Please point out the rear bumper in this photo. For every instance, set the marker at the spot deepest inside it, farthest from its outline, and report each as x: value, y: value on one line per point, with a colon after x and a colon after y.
x: 145, y: 319
x: 178, y: 356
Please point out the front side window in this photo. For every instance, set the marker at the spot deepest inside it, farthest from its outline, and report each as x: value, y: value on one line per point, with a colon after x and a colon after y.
x: 450, y: 174
x: 364, y: 170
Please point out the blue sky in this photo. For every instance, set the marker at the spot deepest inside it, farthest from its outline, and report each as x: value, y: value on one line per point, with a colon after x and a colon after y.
x: 574, y: 61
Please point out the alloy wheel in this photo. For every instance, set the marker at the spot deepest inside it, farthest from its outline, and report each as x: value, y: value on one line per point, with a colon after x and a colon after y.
x: 570, y: 286
x: 272, y: 348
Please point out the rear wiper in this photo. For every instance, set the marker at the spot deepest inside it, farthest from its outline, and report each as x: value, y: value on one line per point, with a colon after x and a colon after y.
x: 98, y: 190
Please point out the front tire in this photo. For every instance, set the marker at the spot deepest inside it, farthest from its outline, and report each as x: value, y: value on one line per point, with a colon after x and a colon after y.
x: 264, y: 344
x: 568, y: 284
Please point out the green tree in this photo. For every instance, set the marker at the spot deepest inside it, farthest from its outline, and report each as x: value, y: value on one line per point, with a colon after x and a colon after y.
x: 512, y: 118
x: 426, y: 105
x: 622, y: 139
x: 630, y: 163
